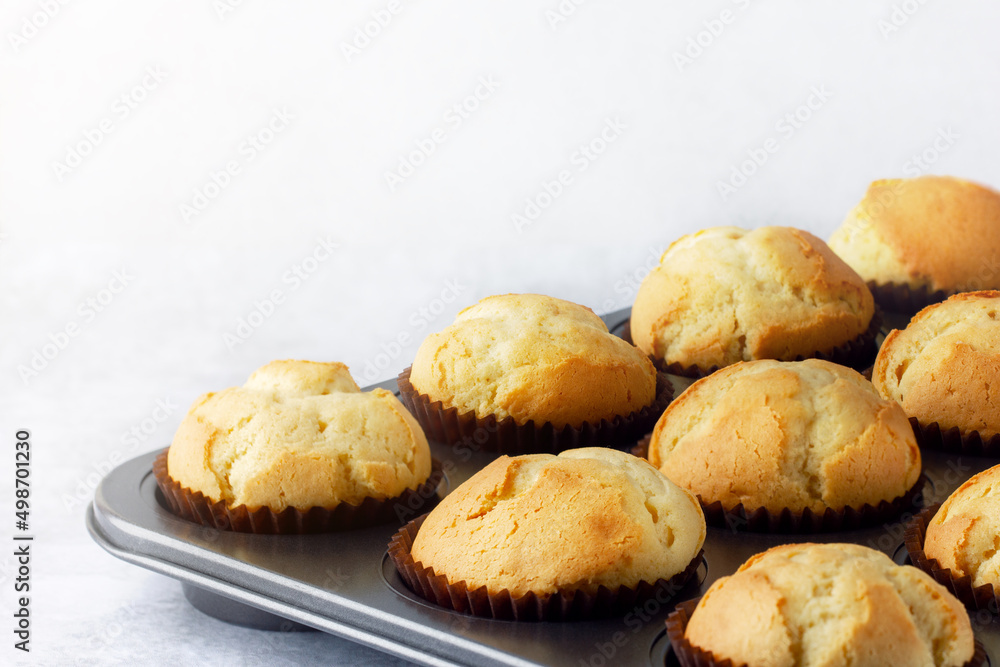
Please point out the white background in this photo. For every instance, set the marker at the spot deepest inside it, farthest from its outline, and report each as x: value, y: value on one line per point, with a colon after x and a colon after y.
x: 188, y: 283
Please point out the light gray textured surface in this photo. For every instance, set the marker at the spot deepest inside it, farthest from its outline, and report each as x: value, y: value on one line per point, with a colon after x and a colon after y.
x: 446, y: 231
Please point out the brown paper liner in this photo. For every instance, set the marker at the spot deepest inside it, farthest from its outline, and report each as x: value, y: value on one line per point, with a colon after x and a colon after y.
x: 787, y: 520
x: 451, y: 427
x: 903, y: 298
x: 570, y: 605
x: 689, y: 655
x: 195, y: 506
x: 641, y: 448
x: 808, y: 521
x: 858, y: 353
x: 985, y: 597
x: 954, y: 440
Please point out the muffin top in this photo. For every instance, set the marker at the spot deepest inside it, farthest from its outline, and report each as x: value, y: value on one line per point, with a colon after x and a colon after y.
x: 934, y: 231
x: 542, y: 523
x: 533, y: 357
x: 964, y: 535
x: 941, y: 367
x: 828, y: 605
x: 298, y: 434
x: 773, y: 434
x: 724, y: 295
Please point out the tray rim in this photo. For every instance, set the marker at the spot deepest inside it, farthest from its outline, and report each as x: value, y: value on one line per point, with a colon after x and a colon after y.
x: 260, y: 601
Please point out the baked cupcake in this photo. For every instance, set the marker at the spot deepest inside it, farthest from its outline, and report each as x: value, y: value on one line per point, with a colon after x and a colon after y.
x: 543, y: 537
x: 963, y: 535
x: 525, y: 373
x: 918, y: 240
x: 941, y: 368
x: 298, y: 448
x: 725, y: 295
x: 803, y: 436
x: 812, y: 605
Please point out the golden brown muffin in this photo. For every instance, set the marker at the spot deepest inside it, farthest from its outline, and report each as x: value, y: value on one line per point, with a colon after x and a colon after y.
x: 725, y: 295
x: 298, y: 434
x: 942, y: 366
x: 964, y: 535
x: 779, y: 434
x: 533, y: 357
x: 935, y: 231
x: 829, y: 605
x: 545, y: 524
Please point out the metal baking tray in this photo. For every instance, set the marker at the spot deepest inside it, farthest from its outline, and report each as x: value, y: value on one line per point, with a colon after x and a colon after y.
x: 344, y: 584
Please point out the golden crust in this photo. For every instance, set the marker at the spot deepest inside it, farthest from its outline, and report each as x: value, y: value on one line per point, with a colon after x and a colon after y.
x: 725, y: 295
x: 827, y: 605
x: 298, y: 434
x: 943, y: 366
x: 544, y: 523
x: 774, y: 434
x: 938, y: 231
x: 964, y: 535
x: 529, y: 356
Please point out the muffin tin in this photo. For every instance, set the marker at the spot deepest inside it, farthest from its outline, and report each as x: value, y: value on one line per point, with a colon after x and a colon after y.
x: 343, y: 583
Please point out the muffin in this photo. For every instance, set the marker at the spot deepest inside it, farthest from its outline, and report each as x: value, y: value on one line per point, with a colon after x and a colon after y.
x: 813, y: 605
x: 941, y: 367
x: 725, y: 295
x: 297, y: 435
x: 917, y: 240
x: 964, y: 535
x: 808, y: 435
x: 561, y: 525
x: 526, y: 360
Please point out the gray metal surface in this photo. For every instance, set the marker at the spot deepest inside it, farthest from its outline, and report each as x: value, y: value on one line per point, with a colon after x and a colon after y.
x: 342, y: 583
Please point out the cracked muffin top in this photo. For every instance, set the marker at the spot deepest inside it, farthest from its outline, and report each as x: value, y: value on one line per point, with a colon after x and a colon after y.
x: 777, y: 434
x: 935, y: 231
x: 298, y: 434
x: 964, y: 535
x: 942, y: 366
x: 829, y: 605
x: 533, y: 357
x: 546, y: 524
x: 725, y: 295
